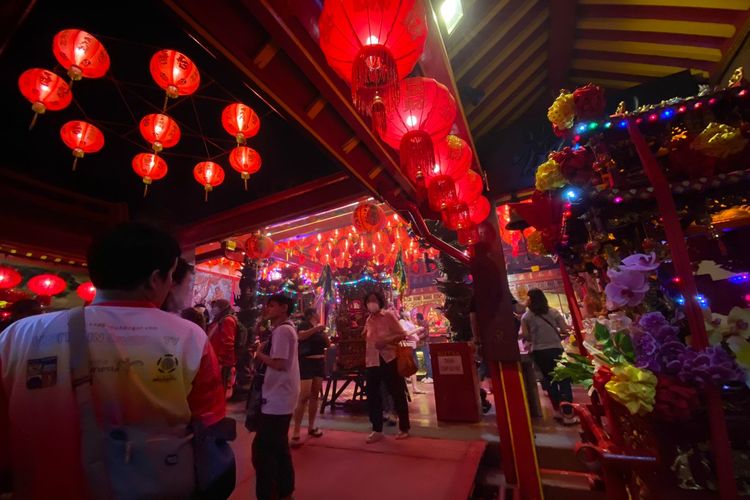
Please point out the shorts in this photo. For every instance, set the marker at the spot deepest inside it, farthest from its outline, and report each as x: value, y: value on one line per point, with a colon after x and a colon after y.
x: 311, y: 367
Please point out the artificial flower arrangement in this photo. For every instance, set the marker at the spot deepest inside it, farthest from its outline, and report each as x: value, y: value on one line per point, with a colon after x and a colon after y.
x: 583, y: 103
x: 640, y: 357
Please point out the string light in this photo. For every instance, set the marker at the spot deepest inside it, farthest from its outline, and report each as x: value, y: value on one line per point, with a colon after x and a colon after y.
x: 740, y: 278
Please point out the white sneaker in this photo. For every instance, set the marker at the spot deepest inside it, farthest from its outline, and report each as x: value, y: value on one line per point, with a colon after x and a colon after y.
x: 402, y: 435
x: 571, y: 420
x: 427, y: 380
x: 374, y: 437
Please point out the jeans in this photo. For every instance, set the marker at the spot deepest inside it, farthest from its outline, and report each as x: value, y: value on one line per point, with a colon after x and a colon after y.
x: 274, y: 471
x: 388, y: 373
x: 562, y: 391
x: 425, y: 349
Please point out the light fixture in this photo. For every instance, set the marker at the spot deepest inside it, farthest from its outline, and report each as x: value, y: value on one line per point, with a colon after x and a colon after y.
x: 451, y: 11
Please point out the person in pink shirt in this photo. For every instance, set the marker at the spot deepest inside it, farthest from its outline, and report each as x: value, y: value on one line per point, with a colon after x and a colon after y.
x: 150, y: 369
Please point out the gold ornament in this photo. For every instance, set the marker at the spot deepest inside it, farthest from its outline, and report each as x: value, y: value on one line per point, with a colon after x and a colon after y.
x: 548, y: 176
x: 562, y: 113
x: 621, y: 108
x: 534, y: 244
x: 719, y: 140
x: 681, y: 467
x: 737, y: 78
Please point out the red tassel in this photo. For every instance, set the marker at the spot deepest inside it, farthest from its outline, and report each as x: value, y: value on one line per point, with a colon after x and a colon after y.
x: 417, y: 155
x: 374, y: 75
x: 379, y: 115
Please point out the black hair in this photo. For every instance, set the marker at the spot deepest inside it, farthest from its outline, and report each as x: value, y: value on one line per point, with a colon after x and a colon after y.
x: 283, y: 300
x: 24, y: 308
x: 182, y: 270
x: 125, y: 258
x: 309, y: 312
x: 378, y: 295
x: 192, y: 314
x: 420, y: 316
x: 538, y: 302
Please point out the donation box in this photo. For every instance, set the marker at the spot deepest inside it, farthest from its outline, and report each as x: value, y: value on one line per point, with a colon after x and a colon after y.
x: 456, y: 382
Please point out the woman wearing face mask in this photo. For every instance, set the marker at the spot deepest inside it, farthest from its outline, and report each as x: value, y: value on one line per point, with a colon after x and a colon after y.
x: 383, y: 333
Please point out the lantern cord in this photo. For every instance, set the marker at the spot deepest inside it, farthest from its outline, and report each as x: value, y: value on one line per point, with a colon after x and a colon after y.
x: 200, y: 129
x: 122, y: 97
x: 245, y: 184
x: 145, y: 190
x: 75, y: 162
x: 33, y: 121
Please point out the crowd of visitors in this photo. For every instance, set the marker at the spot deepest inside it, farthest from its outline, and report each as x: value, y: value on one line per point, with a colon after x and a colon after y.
x: 142, y: 363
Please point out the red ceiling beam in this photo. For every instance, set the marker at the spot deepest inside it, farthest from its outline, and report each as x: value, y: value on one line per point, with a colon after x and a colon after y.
x: 696, y: 14
x: 562, y: 35
x: 644, y: 59
x: 320, y: 194
x: 711, y: 42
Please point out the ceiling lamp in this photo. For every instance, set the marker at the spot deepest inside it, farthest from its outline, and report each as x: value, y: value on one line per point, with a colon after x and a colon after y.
x: 452, y: 160
x: 174, y: 72
x: 209, y: 175
x: 160, y: 131
x: 86, y: 291
x: 372, y: 46
x: 9, y: 277
x: 424, y: 115
x: 246, y: 161
x: 240, y: 121
x: 82, y: 137
x: 81, y: 54
x: 47, y: 285
x: 45, y: 91
x: 150, y: 167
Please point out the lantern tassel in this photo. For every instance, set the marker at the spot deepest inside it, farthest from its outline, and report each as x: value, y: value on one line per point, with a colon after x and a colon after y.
x: 145, y: 190
x: 166, y: 100
x: 417, y: 155
x: 379, y: 115
x: 374, y: 73
x: 75, y: 162
x: 205, y: 197
x: 33, y: 121
x: 245, y: 179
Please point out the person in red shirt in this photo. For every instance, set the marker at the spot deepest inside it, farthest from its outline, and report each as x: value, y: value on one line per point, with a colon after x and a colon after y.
x: 221, y: 333
x: 150, y: 369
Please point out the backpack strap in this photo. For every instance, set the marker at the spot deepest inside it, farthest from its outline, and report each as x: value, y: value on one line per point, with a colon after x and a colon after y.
x: 80, y: 369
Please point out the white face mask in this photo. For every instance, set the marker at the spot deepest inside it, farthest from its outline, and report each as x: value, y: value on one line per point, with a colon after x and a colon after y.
x: 373, y: 307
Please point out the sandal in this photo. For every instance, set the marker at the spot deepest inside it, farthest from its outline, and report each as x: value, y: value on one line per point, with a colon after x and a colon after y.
x: 295, y: 442
x: 315, y: 432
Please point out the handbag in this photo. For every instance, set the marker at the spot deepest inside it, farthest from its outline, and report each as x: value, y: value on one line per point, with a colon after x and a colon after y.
x: 125, y: 462
x: 405, y: 360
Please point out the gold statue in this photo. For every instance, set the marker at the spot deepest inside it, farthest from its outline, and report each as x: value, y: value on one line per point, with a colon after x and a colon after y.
x: 737, y: 78
x: 620, y: 108
x: 681, y: 467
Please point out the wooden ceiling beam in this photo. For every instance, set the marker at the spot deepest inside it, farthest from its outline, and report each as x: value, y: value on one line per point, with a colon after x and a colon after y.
x: 711, y: 42
x: 643, y: 58
x: 561, y: 39
x: 700, y: 15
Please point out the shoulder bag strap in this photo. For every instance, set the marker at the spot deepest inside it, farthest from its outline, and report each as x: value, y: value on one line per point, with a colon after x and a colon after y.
x: 80, y: 368
x: 550, y: 324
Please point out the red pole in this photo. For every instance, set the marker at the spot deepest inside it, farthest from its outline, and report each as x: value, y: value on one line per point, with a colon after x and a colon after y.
x: 719, y: 436
x: 575, y: 310
x: 501, y: 415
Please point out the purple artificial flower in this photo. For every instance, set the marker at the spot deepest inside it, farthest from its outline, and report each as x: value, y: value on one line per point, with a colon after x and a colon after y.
x: 672, y: 356
x: 666, y: 332
x: 626, y: 288
x: 646, y: 352
x: 713, y: 365
x: 640, y: 262
x: 652, y: 321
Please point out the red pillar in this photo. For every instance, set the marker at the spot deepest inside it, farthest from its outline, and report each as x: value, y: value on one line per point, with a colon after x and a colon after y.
x: 719, y: 436
x: 575, y: 310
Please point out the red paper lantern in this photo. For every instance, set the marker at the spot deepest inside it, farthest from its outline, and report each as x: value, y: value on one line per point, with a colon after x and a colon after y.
x: 457, y: 216
x: 468, y: 235
x: 86, y: 291
x: 368, y: 217
x: 160, y: 131
x: 81, y: 54
x: 424, y: 115
x: 81, y: 137
x: 258, y: 246
x: 246, y: 161
x: 469, y: 187
x: 240, y: 121
x: 452, y: 159
x: 441, y: 193
x: 150, y: 167
x: 479, y: 209
x: 9, y: 277
x: 174, y: 72
x: 372, y: 46
x: 47, y: 285
x: 45, y: 91
x: 209, y: 175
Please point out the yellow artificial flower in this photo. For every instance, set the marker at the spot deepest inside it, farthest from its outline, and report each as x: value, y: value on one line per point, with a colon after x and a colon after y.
x: 633, y: 387
x: 548, y: 176
x: 562, y: 113
x: 719, y: 140
x: 534, y: 243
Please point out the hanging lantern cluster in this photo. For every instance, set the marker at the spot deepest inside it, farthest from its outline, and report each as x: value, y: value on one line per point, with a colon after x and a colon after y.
x: 373, y: 46
x: 241, y: 122
x: 83, y: 56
